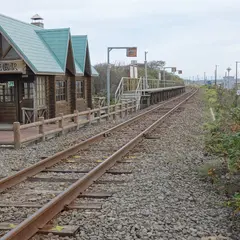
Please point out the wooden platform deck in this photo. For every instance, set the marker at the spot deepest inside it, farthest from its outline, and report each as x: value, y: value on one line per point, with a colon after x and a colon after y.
x: 7, y: 135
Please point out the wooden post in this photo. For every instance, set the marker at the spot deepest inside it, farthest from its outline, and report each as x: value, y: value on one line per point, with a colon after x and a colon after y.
x: 89, y: 115
x: 60, y: 123
x: 99, y: 114
x: 76, y: 118
x: 114, y: 112
x: 41, y: 128
x: 23, y: 116
x: 35, y: 99
x: 121, y: 110
x: 135, y: 105
x: 107, y: 112
x: 17, y: 135
x: 126, y: 109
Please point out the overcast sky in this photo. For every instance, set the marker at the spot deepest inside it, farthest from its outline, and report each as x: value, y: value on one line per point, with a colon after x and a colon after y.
x: 193, y: 35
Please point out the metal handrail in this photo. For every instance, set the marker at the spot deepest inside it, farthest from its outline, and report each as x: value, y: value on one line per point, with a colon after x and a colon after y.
x: 135, y: 85
x: 138, y: 92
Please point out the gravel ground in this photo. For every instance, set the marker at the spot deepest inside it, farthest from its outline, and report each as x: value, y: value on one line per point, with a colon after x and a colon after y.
x: 164, y: 197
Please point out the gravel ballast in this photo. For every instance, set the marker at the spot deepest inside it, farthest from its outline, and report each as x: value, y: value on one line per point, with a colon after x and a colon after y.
x: 164, y: 198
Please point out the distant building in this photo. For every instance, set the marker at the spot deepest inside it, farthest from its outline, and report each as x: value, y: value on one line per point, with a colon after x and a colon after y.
x: 229, y: 82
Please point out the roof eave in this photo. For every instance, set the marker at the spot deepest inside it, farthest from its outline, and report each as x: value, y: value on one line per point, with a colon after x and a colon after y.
x: 70, y: 42
x: 50, y: 73
x: 85, y: 55
x: 79, y: 74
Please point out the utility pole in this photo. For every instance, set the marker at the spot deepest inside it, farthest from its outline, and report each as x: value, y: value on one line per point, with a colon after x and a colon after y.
x: 204, y: 78
x: 108, y: 75
x: 237, y: 74
x: 236, y: 101
x: 228, y: 70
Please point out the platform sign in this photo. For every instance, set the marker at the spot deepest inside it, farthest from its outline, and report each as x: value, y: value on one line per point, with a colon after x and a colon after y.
x: 12, y: 66
x: 10, y: 84
x: 132, y: 52
x: 238, y: 92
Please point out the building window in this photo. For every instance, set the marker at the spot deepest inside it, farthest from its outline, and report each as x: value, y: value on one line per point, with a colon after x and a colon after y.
x: 41, y: 92
x: 80, y: 89
x: 28, y: 90
x: 7, y: 92
x: 61, y: 90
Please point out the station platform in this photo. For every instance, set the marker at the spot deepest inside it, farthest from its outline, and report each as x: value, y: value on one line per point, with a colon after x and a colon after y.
x: 156, y: 95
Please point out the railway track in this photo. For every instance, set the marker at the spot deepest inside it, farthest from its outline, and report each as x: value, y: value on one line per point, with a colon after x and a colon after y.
x: 72, y: 172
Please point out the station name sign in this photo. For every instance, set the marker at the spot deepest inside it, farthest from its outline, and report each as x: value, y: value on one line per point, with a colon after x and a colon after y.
x: 132, y: 52
x: 15, y: 66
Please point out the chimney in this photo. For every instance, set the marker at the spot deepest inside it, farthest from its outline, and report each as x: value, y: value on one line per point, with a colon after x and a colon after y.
x: 37, y: 21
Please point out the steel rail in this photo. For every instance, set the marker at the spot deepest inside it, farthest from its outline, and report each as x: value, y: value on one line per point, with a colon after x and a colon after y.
x: 41, y: 217
x: 22, y: 175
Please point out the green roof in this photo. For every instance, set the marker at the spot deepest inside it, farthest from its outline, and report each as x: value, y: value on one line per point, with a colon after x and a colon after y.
x: 57, y: 40
x: 45, y: 50
x: 23, y: 37
x: 79, y: 44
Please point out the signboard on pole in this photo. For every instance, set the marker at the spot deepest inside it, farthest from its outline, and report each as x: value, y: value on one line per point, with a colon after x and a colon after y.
x: 132, y: 52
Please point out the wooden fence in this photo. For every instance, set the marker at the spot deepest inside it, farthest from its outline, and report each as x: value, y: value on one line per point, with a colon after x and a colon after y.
x: 74, y: 121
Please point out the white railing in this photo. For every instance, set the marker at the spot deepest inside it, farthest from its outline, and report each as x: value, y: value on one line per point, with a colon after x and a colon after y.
x: 128, y: 85
x: 119, y: 91
x: 156, y: 83
x: 133, y: 87
x: 138, y: 93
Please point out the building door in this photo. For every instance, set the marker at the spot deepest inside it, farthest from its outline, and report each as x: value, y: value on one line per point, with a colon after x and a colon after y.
x: 25, y: 98
x: 8, y: 106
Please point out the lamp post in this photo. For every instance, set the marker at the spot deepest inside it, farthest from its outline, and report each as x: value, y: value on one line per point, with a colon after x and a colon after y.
x: 131, y: 52
x: 108, y: 75
x: 146, y: 74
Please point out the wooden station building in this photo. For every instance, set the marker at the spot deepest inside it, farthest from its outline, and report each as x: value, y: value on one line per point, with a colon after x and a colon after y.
x: 43, y: 72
